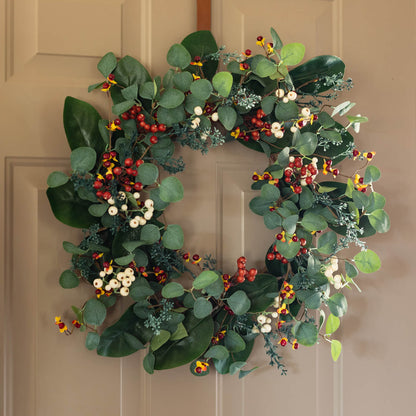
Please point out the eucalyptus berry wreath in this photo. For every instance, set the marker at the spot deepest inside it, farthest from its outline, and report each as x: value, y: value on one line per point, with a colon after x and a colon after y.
x: 185, y: 310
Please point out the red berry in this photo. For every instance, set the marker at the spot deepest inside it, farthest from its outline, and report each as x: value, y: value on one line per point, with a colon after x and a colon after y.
x: 109, y: 176
x: 117, y: 170
x: 113, y: 153
x: 125, y: 116
x: 153, y: 139
x: 279, y: 236
x: 298, y: 189
x: 298, y: 162
x: 270, y: 256
x: 139, y: 162
x: 251, y: 278
x: 369, y: 155
x: 309, y: 180
x: 247, y: 52
x: 242, y: 259
x: 304, y: 250
x: 295, y: 238
x: 106, y: 195
x: 259, y: 38
x: 146, y: 127
x: 198, y: 370
x: 61, y: 325
x: 335, y: 172
x: 99, y: 194
x: 252, y: 272
x: 153, y: 128
x: 111, y: 77
x: 295, y: 345
x: 141, y: 269
x: 97, y: 185
x: 106, y: 85
x: 302, y: 242
x: 106, y: 155
x: 127, y: 188
x: 129, y: 171
x: 255, y: 178
x: 284, y: 260
x: 138, y: 186
x: 195, y: 257
x: 140, y: 117
x: 128, y: 162
x: 107, y: 164
x: 117, y: 122
x: 220, y: 335
x: 240, y: 279
x: 283, y: 342
x: 279, y: 256
x: 185, y: 256
x: 161, y: 127
x: 266, y: 176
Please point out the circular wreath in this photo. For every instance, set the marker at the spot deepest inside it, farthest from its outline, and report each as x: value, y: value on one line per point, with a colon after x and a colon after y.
x: 185, y: 309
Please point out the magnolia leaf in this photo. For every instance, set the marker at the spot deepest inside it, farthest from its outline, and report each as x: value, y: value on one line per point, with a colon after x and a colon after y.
x: 159, y: 339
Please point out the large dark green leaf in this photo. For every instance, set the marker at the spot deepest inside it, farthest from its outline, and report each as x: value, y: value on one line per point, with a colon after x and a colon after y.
x: 81, y: 125
x: 314, y: 69
x: 202, y: 43
x: 124, y: 337
x: 257, y: 291
x: 68, y: 207
x: 176, y: 353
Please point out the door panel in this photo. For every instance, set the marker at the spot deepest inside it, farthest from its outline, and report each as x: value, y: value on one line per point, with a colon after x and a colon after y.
x: 50, y: 51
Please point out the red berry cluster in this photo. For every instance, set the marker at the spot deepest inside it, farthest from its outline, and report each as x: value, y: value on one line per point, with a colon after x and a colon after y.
x: 196, y: 258
x: 111, y: 169
x: 226, y: 280
x: 160, y: 274
x: 135, y: 113
x: 296, y: 172
x: 243, y: 273
x: 275, y: 255
x: 255, y: 125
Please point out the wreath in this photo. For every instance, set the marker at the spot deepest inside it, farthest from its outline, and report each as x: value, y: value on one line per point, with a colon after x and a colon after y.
x: 183, y: 308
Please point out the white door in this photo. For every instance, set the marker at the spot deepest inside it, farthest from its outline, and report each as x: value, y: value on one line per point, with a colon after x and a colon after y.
x: 50, y: 50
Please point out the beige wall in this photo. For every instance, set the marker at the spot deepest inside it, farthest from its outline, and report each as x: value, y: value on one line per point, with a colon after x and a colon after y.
x: 43, y: 59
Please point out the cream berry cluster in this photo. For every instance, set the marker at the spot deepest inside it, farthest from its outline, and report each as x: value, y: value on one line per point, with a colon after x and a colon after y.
x: 111, y: 282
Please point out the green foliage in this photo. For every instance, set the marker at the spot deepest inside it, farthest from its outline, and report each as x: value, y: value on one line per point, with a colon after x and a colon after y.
x: 172, y: 290
x: 336, y: 348
x: 68, y: 279
x: 178, y: 56
x: 306, y: 333
x: 56, y: 179
x: 173, y: 237
x: 239, y: 302
x: 94, y: 312
x: 204, y: 279
x: 367, y: 261
x: 292, y: 53
x: 223, y: 82
x: 171, y: 189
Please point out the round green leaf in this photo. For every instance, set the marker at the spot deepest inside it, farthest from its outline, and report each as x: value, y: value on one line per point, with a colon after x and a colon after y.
x: 56, y: 179
x: 337, y: 304
x: 227, y: 116
x: 98, y: 210
x: 172, y: 98
x: 259, y: 205
x: 107, y: 64
x: 178, y: 56
x: 265, y: 68
x: 289, y: 223
x: 222, y: 82
x: 149, y: 363
x: 332, y: 324
x: 83, y: 159
x: 239, y: 302
x: 218, y: 352
x: 202, y: 308
x: 170, y: 116
x: 183, y: 81
x: 306, y: 143
x: 286, y: 249
x: 292, y: 53
x: 314, y: 222
x: 147, y: 173
x: 350, y: 270
x: 72, y: 248
x: 173, y: 237
x: 336, y: 348
x: 267, y: 104
x: 306, y: 333
x: 272, y: 220
x: 148, y: 90
x: 372, y: 174
x: 94, y: 312
x: 327, y: 242
x: 379, y: 220
x: 171, y: 189
x: 204, y: 279
x: 367, y: 261
x: 92, y: 341
x: 234, y: 342
x: 270, y: 192
x: 68, y: 279
x: 150, y: 234
x: 286, y: 111
x: 172, y: 290
x: 122, y: 107
x: 201, y: 88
